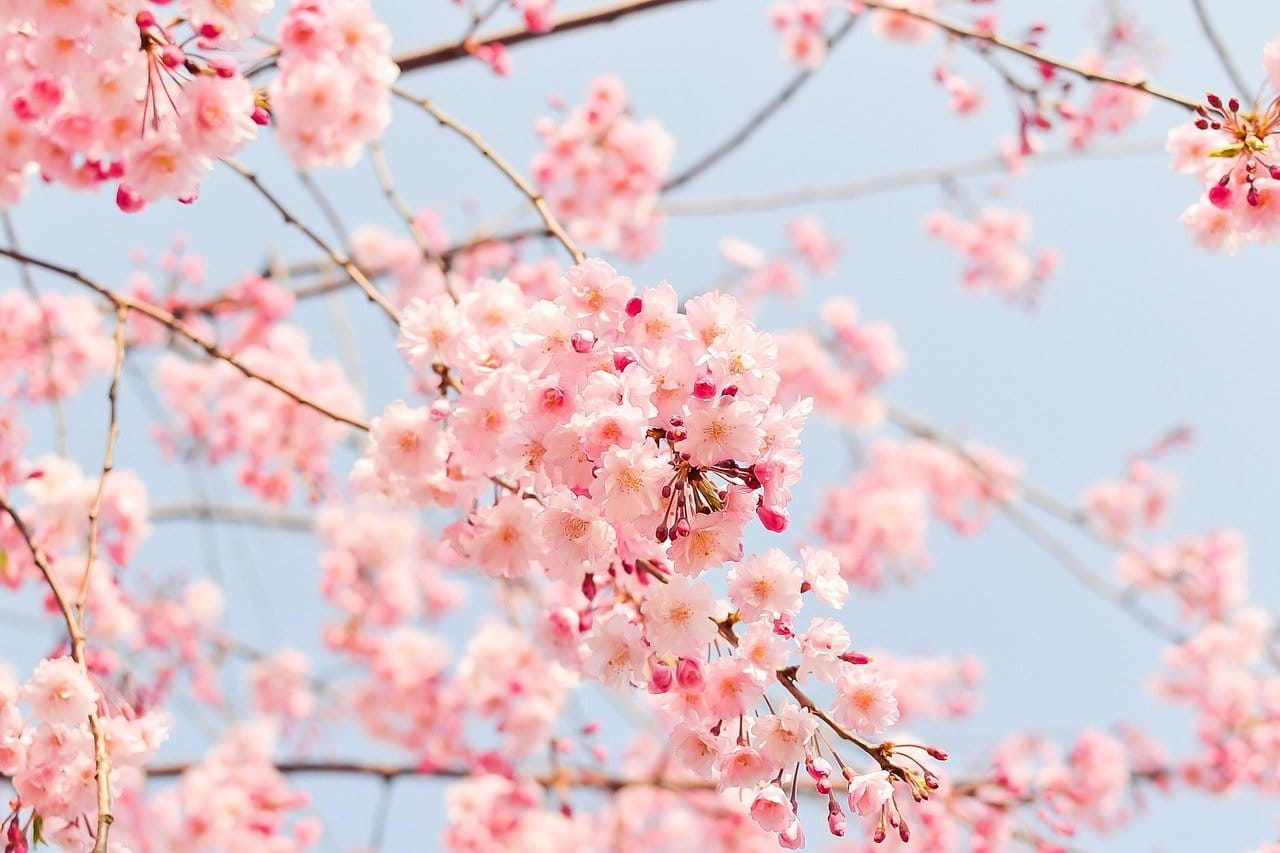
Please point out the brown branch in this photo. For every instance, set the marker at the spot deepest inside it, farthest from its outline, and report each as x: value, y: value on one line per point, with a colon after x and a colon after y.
x: 757, y: 119
x: 353, y: 271
x: 108, y: 459
x: 564, y: 778
x: 535, y: 198
x: 516, y: 35
x: 963, y: 32
x: 75, y: 635
x: 164, y: 318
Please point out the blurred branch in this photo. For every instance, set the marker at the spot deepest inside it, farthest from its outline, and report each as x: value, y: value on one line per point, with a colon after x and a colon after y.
x: 1220, y: 49
x: 894, y: 181
x: 757, y: 119
x: 355, y: 273
x: 1117, y: 595
x: 250, y: 515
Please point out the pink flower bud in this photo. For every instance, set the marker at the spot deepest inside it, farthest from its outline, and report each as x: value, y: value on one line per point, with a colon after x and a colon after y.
x: 144, y: 20
x: 817, y: 767
x: 210, y: 30
x: 837, y: 823
x: 261, y: 117
x: 634, y: 306
x: 704, y: 388
x: 689, y: 674
x: 622, y: 360
x: 661, y: 678
x: 128, y: 200
x: 772, y: 519
x: 582, y: 341
x: 792, y: 838
x: 224, y: 66
x: 172, y: 56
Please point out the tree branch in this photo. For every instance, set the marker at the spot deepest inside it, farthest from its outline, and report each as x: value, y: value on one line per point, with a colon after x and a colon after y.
x: 963, y: 32
x: 889, y: 182
x: 251, y: 515
x: 1220, y: 49
x: 164, y: 318
x: 353, y: 271
x: 757, y: 119
x: 516, y: 35
x: 108, y: 460
x: 535, y: 198
x: 75, y: 635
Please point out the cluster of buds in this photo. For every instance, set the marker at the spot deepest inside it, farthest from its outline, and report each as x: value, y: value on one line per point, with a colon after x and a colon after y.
x: 691, y: 490
x: 15, y: 836
x: 1248, y: 132
x: 168, y: 60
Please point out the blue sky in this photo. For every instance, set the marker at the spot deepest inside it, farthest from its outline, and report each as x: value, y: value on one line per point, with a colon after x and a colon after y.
x: 1139, y: 331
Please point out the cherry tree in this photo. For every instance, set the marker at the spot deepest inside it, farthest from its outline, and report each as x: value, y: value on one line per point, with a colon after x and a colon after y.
x: 553, y: 516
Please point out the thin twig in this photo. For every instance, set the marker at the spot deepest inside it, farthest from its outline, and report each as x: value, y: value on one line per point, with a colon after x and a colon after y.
x: 382, y: 169
x: 757, y: 119
x: 347, y: 340
x: 1081, y: 572
x: 891, y: 181
x: 381, y: 814
x: 1117, y: 595
x: 75, y: 635
x: 535, y: 198
x: 250, y: 515
x: 964, y: 32
x: 108, y: 459
x: 1220, y: 49
x: 516, y: 35
x: 357, y: 275
x: 163, y: 317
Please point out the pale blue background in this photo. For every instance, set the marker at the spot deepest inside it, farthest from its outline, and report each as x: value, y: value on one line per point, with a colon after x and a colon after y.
x: 1138, y: 332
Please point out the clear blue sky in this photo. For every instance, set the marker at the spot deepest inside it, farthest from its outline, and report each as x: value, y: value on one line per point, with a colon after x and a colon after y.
x: 1139, y: 331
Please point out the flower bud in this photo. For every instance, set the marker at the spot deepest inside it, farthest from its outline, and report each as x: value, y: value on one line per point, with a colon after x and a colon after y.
x: 582, y: 341
x: 689, y: 674
x: 661, y: 678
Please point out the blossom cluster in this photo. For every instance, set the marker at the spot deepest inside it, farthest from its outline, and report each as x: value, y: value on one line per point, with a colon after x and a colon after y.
x: 219, y: 413
x: 993, y: 245
x: 602, y: 171
x: 876, y: 523
x: 333, y: 92
x: 99, y: 95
